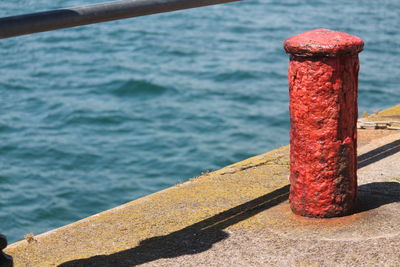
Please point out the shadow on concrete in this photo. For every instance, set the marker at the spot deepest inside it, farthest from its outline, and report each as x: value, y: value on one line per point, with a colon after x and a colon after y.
x: 378, y: 154
x: 193, y: 239
x: 374, y: 195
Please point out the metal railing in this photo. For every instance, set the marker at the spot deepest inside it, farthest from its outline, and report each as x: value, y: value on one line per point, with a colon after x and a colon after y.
x: 78, y: 16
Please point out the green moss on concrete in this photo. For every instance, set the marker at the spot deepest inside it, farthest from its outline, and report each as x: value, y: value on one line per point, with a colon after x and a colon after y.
x: 392, y: 113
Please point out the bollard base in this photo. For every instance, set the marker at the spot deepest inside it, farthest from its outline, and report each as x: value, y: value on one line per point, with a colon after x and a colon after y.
x: 330, y: 214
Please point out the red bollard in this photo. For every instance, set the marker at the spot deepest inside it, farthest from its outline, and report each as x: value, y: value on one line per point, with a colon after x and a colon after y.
x: 323, y: 81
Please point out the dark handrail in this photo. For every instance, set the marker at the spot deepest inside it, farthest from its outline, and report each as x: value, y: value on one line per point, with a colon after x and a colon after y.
x: 77, y: 16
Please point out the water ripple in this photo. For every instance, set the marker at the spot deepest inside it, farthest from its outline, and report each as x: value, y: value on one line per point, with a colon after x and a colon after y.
x: 136, y: 88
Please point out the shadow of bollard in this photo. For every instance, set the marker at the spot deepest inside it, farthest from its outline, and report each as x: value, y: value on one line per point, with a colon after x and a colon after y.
x: 374, y: 195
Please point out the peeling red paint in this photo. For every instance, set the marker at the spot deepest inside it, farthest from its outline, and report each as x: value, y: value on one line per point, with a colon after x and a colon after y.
x: 323, y: 81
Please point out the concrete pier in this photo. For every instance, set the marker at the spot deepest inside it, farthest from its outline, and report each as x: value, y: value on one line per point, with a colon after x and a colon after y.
x: 239, y: 216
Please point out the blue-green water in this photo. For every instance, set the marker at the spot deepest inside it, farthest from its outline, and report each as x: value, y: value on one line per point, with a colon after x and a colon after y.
x: 95, y: 116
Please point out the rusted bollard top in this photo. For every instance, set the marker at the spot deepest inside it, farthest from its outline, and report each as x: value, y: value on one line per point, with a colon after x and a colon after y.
x: 323, y: 42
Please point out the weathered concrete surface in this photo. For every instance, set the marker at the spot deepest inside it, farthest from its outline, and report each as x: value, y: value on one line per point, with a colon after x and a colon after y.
x: 392, y: 113
x: 237, y: 216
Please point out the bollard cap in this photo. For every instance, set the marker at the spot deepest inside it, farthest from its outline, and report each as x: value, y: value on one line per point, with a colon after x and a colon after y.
x: 323, y: 42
